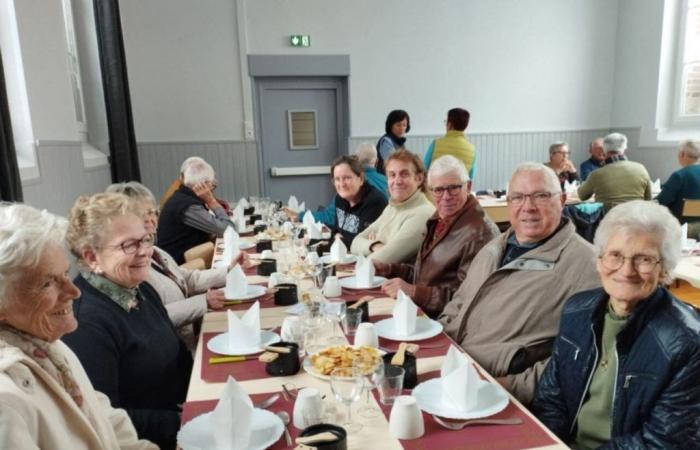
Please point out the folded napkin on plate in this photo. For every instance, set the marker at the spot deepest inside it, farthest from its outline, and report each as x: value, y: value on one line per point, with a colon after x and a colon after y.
x: 244, y: 332
x: 232, y: 418
x: 288, y: 227
x: 241, y: 224
x: 339, y: 251
x: 314, y: 230
x: 308, y: 219
x: 231, y: 240
x: 243, y: 202
x: 656, y: 185
x: 684, y: 236
x: 404, y: 313
x: 570, y: 188
x: 364, y: 272
x: 460, y: 381
x: 293, y: 203
x: 238, y: 211
x: 236, y: 283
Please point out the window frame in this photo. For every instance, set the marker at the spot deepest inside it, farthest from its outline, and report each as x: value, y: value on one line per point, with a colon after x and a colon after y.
x: 679, y: 120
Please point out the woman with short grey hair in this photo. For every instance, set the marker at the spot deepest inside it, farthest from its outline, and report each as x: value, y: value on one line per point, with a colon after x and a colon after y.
x: 187, y: 294
x: 625, y: 366
x: 560, y: 163
x: 46, y: 398
x: 367, y: 154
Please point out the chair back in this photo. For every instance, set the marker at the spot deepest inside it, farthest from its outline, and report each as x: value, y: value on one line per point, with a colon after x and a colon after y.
x: 204, y: 251
x: 691, y: 208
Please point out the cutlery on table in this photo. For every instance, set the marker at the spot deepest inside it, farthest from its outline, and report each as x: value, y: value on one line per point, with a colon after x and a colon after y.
x: 361, y: 301
x: 289, y: 393
x: 267, y: 402
x: 326, y: 436
x: 285, y: 420
x: 413, y: 348
x: 230, y: 359
x: 459, y: 425
x: 400, y: 355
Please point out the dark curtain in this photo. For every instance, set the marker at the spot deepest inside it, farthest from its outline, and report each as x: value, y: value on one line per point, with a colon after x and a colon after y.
x: 10, y: 183
x: 124, y: 158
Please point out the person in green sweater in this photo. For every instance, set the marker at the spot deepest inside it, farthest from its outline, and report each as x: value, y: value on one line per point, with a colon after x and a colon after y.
x: 620, y: 180
x: 454, y: 142
x: 396, y: 235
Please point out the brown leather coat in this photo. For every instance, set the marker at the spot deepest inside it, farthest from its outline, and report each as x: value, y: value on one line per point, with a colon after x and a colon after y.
x: 442, y: 263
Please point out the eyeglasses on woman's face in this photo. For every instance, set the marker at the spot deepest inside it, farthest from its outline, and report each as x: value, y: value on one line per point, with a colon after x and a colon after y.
x: 131, y: 246
x: 643, y: 264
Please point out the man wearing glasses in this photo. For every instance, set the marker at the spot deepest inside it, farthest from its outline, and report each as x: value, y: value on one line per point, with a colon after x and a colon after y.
x: 192, y: 215
x: 455, y: 233
x: 506, y: 312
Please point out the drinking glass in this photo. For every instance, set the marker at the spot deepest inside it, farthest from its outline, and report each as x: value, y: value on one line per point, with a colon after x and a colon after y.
x: 391, y: 384
x: 351, y: 320
x: 347, y: 388
x: 372, y: 377
x: 334, y: 311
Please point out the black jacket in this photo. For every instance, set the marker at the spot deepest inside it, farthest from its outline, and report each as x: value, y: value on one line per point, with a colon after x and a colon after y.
x: 174, y: 236
x: 656, y: 401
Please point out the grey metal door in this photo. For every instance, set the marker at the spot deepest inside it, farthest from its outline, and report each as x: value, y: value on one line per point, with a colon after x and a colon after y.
x: 301, y: 130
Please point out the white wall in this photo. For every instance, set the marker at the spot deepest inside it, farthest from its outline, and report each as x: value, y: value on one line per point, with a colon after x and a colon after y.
x: 184, y: 76
x: 517, y: 65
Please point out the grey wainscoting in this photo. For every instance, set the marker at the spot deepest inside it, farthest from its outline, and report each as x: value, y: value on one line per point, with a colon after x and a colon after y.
x: 499, y: 153
x: 235, y: 163
x: 63, y: 178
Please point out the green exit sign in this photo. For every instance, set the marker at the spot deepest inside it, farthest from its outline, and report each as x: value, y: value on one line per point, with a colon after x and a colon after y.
x: 300, y: 40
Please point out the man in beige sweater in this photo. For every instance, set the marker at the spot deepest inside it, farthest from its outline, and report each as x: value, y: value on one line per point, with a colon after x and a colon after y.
x: 396, y: 235
x: 506, y: 312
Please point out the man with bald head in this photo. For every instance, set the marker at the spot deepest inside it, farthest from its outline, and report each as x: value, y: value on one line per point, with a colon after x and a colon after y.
x: 597, y: 159
x: 505, y: 313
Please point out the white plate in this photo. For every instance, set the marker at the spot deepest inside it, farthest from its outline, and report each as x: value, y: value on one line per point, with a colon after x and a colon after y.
x: 253, y: 291
x: 245, y: 245
x: 492, y: 399
x: 351, y: 283
x: 349, y: 259
x: 311, y: 370
x: 425, y: 329
x: 219, y: 344
x: 197, y: 434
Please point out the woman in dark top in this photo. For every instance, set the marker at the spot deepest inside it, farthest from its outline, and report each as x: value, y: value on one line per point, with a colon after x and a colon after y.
x: 397, y: 125
x: 128, y: 346
x: 357, y: 203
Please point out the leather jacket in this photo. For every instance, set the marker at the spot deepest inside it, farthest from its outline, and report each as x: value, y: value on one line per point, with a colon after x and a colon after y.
x: 656, y: 402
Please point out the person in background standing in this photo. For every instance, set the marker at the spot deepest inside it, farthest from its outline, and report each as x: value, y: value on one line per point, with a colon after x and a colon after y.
x: 397, y: 125
x: 454, y: 142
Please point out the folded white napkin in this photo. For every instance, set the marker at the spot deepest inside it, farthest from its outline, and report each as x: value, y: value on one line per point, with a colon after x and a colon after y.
x: 339, y: 251
x: 570, y: 188
x: 243, y: 202
x: 314, y: 231
x: 308, y: 219
x: 656, y: 185
x: 238, y: 211
x: 232, y: 418
x: 364, y: 272
x: 287, y: 227
x: 460, y: 381
x: 236, y: 283
x: 684, y: 236
x: 241, y: 224
x: 244, y: 332
x: 293, y: 203
x: 312, y: 258
x: 231, y: 240
x: 404, y: 313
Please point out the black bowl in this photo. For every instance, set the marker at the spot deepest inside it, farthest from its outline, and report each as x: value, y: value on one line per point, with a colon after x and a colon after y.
x: 267, y: 266
x: 249, y: 210
x: 255, y: 217
x: 340, y: 444
x: 365, y: 310
x: 286, y: 363
x: 410, y: 377
x: 259, y: 228
x: 322, y: 248
x: 263, y: 244
x: 286, y: 294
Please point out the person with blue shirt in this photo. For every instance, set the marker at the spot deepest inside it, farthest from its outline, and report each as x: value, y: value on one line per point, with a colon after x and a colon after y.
x: 683, y: 183
x: 597, y: 159
x: 367, y: 155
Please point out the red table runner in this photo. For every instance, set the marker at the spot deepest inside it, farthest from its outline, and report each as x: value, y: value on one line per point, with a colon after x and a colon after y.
x: 190, y: 410
x: 251, y: 369
x: 493, y: 437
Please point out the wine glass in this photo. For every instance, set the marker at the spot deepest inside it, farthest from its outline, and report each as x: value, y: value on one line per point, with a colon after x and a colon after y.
x: 372, y: 376
x: 334, y: 311
x: 347, y: 388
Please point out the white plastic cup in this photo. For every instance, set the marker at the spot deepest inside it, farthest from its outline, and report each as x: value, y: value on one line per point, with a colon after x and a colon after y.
x: 308, y: 405
x: 331, y: 288
x: 266, y: 254
x: 406, y: 420
x: 292, y: 329
x: 275, y: 279
x: 366, y: 335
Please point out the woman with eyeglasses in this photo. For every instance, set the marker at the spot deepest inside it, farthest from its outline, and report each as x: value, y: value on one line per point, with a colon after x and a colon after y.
x: 129, y: 347
x: 625, y: 369
x: 455, y: 234
x: 186, y: 294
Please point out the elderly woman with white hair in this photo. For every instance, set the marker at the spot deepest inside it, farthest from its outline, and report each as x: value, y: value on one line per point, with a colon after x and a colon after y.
x: 187, y: 294
x: 46, y: 398
x: 456, y: 232
x: 620, y: 180
x: 367, y: 155
x: 192, y: 216
x: 626, y: 363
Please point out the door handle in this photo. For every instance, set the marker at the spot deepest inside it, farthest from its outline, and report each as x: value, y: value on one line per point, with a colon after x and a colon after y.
x: 299, y: 171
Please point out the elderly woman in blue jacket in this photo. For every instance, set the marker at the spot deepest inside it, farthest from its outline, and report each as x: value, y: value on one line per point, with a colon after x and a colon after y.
x: 625, y: 371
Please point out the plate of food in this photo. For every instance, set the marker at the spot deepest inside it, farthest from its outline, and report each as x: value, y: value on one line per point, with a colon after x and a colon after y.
x: 322, y: 363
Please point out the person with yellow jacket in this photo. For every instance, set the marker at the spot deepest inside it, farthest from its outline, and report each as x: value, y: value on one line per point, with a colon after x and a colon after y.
x: 454, y: 142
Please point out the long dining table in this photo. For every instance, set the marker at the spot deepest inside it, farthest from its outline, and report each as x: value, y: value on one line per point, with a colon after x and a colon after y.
x: 208, y: 380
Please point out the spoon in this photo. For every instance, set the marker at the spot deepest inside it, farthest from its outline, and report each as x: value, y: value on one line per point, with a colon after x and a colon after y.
x: 285, y: 420
x: 460, y: 425
x: 267, y: 402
